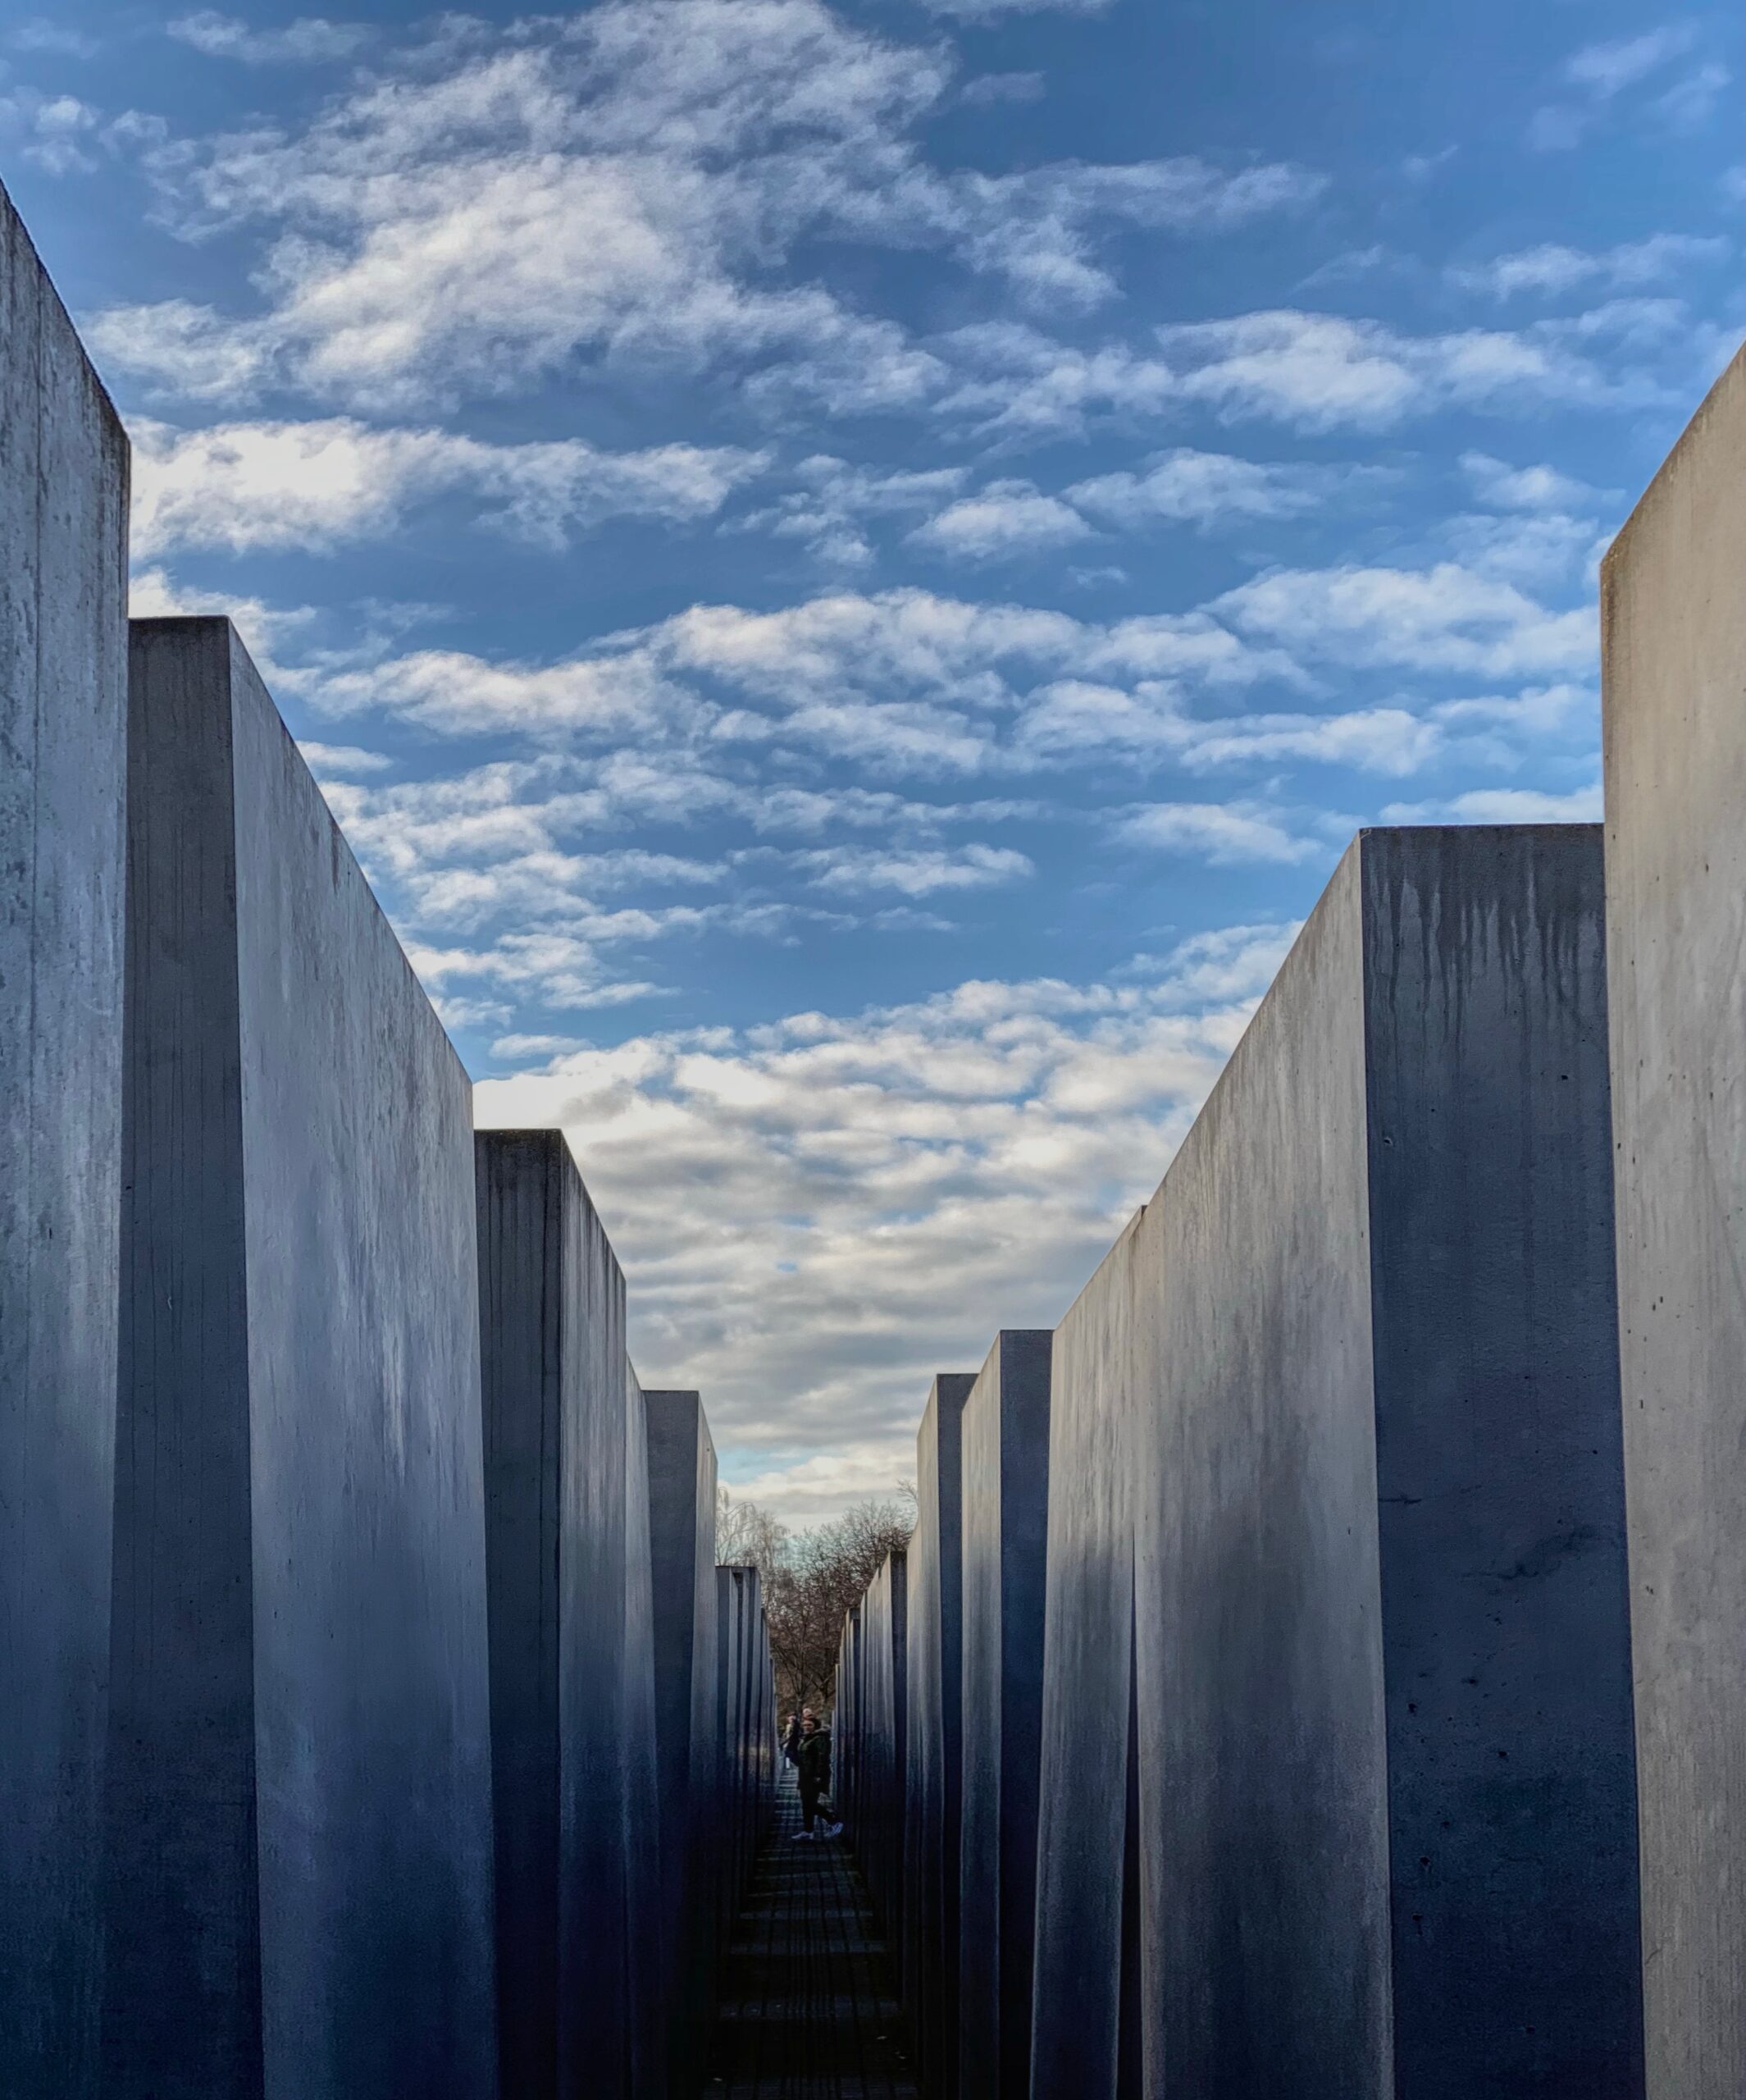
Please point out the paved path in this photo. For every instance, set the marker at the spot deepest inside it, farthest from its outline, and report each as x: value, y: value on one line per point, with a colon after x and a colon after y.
x: 808, y: 2008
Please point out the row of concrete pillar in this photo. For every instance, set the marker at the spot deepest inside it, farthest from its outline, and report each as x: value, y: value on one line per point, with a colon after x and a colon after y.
x: 1319, y: 1668
x: 376, y: 1720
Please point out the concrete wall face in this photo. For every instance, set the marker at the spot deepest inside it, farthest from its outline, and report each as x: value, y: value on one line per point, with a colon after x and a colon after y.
x: 933, y: 1776
x: 681, y: 1526
x: 1353, y: 1358
x: 565, y: 1498
x: 1243, y: 1324
x: 647, y: 1927
x: 1673, y: 609
x: 1004, y: 1500
x: 298, y: 1806
x: 63, y: 711
x: 877, y: 1835
x: 746, y: 1735
x: 1500, y: 1472
x: 1099, y: 1362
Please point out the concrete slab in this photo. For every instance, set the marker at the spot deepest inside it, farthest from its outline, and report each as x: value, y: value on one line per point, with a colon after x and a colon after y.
x: 1357, y: 1357
x: 745, y: 1703
x: 883, y: 1754
x: 1673, y: 609
x: 648, y: 1929
x: 846, y: 1725
x: 688, y: 1748
x: 298, y: 1800
x: 1005, y: 1521
x: 581, y: 1921
x: 63, y: 716
x: 933, y: 1774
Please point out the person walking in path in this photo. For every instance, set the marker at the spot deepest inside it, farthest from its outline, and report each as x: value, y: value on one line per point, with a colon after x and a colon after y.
x: 814, y: 1766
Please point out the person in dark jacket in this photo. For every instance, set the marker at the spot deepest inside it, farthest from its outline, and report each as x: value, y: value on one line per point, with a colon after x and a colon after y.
x: 815, y: 1764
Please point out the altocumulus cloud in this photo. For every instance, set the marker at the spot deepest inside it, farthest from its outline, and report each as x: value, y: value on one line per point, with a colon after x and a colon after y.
x: 491, y: 207
x: 833, y: 1208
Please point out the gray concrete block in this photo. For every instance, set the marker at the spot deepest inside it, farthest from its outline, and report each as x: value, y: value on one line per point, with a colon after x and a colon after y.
x: 1352, y: 1373
x: 1004, y: 1500
x: 647, y: 1928
x: 298, y: 1810
x: 1673, y: 608
x: 934, y: 1775
x: 883, y: 1751
x: 63, y: 714
x: 745, y: 1698
x: 581, y: 1918
x: 846, y: 1724
x: 688, y: 1750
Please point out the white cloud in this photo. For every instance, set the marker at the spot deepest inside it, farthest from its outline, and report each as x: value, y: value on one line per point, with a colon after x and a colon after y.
x: 1606, y: 70
x: 1601, y: 73
x: 1504, y: 806
x: 1443, y: 619
x: 983, y: 10
x: 57, y: 131
x: 1312, y: 371
x: 1553, y: 268
x: 178, y: 347
x: 867, y: 1197
x: 310, y: 39
x: 315, y: 485
x: 1546, y: 551
x: 342, y: 761
x: 1505, y: 487
x: 1076, y: 718
x: 898, y: 682
x: 1006, y: 517
x: 1224, y: 834
x: 854, y: 869
x: 988, y: 90
x: 1205, y: 489
x: 825, y: 512
x: 678, y: 715
x: 1689, y: 104
x: 490, y: 207
x: 1320, y: 371
x: 54, y: 38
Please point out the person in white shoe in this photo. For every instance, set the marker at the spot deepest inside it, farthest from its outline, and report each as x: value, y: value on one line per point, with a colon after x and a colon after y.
x: 813, y: 1764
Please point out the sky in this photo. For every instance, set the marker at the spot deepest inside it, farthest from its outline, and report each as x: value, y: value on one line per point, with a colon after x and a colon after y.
x: 848, y: 572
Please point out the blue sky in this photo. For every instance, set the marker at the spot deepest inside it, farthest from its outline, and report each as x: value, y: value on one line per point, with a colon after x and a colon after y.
x: 849, y: 573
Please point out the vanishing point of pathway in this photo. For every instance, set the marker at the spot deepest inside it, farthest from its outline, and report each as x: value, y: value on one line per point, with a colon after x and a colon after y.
x: 809, y: 2011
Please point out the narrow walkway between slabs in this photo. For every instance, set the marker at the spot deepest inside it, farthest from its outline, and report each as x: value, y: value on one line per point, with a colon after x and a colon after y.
x: 808, y: 2007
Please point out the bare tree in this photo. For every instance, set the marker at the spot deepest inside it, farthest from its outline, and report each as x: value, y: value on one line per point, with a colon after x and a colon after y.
x: 811, y: 1581
x: 748, y: 1537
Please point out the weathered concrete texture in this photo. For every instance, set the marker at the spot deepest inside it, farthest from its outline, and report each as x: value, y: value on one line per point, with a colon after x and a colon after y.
x: 648, y: 1930
x: 571, y: 1612
x: 1673, y: 609
x: 932, y: 1786
x: 688, y: 1748
x: 1004, y: 1500
x: 299, y: 1798
x: 845, y: 1726
x: 63, y: 714
x: 1097, y: 1387
x: 745, y: 1703
x: 882, y: 1745
x: 1357, y: 1358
